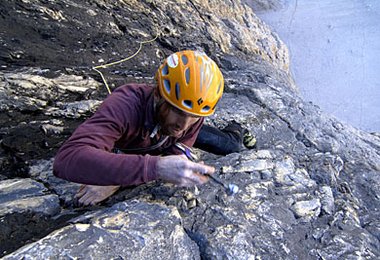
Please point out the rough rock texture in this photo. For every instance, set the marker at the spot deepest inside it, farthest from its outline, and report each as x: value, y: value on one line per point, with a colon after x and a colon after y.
x: 25, y: 208
x: 18, y: 195
x: 309, y: 191
x: 105, y: 30
x: 129, y: 230
x: 265, y: 5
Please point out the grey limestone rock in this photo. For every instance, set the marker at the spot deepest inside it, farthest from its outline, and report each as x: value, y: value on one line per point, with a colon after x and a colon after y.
x: 265, y: 5
x: 22, y: 195
x: 327, y: 199
x: 25, y: 207
x: 133, y: 230
x: 42, y: 170
x: 310, y: 208
x: 28, y: 91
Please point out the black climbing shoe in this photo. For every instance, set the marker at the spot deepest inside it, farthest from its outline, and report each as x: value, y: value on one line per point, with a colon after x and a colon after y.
x: 242, y: 135
x: 234, y: 128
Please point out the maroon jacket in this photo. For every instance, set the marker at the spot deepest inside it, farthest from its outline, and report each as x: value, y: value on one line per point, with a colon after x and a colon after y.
x: 124, y: 120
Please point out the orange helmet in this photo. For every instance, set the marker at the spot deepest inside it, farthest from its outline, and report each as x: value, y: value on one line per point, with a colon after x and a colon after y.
x: 191, y: 81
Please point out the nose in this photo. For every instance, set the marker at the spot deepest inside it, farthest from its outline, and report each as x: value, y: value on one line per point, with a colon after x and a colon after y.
x: 183, y: 122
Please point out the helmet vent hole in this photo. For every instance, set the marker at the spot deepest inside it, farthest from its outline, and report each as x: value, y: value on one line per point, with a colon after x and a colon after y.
x: 187, y: 75
x: 177, y: 91
x: 205, y: 109
x: 184, y: 59
x: 188, y: 104
x: 165, y: 70
x: 167, y: 85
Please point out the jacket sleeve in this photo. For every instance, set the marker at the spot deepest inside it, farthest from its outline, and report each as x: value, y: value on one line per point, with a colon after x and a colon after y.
x: 86, y: 156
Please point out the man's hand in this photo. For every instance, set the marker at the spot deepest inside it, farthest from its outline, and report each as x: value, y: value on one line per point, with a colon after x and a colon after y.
x: 177, y: 169
x: 91, y: 194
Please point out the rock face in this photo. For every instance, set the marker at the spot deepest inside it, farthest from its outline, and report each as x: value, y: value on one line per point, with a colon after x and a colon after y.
x: 132, y: 230
x: 309, y: 191
x: 265, y: 5
x: 25, y: 208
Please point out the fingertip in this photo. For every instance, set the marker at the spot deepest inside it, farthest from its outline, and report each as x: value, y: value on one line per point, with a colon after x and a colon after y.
x: 184, y: 157
x: 211, y: 170
x: 208, y: 169
x: 80, y: 202
x: 204, y: 179
x: 199, y: 179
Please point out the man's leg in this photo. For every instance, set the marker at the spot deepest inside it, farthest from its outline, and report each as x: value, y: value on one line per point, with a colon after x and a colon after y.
x: 225, y: 141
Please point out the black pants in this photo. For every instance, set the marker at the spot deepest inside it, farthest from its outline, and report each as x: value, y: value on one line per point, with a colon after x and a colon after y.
x: 217, y: 141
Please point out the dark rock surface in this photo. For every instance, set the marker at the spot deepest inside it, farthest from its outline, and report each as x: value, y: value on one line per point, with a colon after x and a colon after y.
x: 309, y: 191
x: 25, y: 210
x: 128, y: 230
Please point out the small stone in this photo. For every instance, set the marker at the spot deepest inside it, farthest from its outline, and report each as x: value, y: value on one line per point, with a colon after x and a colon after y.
x: 191, y: 203
x: 188, y: 195
x: 266, y: 174
x: 282, y: 172
x: 49, y: 129
x: 327, y: 199
x: 91, y: 12
x: 309, y: 208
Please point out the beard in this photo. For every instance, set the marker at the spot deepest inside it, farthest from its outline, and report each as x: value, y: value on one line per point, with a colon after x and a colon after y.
x: 171, y: 130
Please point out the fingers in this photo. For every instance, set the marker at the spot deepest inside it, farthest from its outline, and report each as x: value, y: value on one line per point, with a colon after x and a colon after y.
x: 85, y: 195
x: 203, y: 179
x: 195, y: 174
x: 82, y: 187
x: 81, y: 191
x: 177, y: 169
x: 91, y: 194
x: 183, y: 157
x: 201, y: 168
x: 86, y: 199
x: 190, y: 178
x: 89, y: 198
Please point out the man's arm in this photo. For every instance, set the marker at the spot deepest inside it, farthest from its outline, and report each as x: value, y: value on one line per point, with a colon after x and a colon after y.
x: 86, y: 156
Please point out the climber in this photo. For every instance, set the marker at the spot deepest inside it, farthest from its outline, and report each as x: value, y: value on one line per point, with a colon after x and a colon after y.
x: 131, y: 138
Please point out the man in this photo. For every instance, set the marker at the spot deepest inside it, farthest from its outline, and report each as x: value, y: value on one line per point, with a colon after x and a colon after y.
x: 123, y: 142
